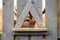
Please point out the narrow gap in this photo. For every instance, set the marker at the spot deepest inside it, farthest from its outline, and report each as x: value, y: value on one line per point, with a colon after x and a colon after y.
x: 58, y: 38
x: 43, y: 13
x: 29, y: 37
x: 15, y: 12
x: 44, y: 37
x: 15, y: 16
x: 1, y: 8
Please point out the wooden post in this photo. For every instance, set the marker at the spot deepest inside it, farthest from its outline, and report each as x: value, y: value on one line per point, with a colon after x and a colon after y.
x: 51, y: 20
x: 8, y: 12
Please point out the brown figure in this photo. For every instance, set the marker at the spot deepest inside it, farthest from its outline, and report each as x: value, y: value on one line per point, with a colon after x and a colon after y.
x: 28, y: 22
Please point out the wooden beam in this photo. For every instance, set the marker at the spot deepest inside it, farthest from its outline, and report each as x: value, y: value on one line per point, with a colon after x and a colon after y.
x: 36, y: 16
x: 29, y: 29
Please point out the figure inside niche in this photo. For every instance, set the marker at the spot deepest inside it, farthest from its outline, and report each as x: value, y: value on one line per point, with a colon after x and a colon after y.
x: 29, y: 21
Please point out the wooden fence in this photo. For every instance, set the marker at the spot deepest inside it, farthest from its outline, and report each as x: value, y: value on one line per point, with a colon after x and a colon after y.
x: 11, y: 32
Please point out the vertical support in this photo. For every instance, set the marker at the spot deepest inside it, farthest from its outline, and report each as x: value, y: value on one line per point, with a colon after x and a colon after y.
x: 8, y: 20
x: 36, y: 38
x: 21, y: 38
x: 51, y: 21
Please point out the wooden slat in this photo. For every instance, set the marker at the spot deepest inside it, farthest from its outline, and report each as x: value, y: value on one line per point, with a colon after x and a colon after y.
x: 8, y: 12
x: 20, y: 6
x: 38, y: 6
x: 21, y: 38
x: 51, y: 21
x: 36, y: 16
x: 36, y: 38
x: 30, y: 33
x: 30, y: 29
